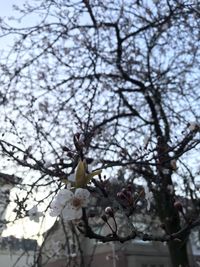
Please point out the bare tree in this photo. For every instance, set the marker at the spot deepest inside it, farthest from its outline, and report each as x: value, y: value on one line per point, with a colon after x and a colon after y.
x: 124, y: 74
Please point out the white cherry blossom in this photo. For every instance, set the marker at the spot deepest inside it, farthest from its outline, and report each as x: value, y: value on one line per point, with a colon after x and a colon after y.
x: 69, y: 204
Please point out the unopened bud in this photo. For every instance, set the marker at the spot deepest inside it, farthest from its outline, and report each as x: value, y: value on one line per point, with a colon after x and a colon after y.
x: 120, y: 195
x: 109, y: 211
x: 178, y: 206
x: 124, y: 190
x: 128, y: 194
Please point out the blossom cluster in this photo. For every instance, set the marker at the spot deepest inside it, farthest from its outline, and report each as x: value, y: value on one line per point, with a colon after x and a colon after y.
x: 68, y: 204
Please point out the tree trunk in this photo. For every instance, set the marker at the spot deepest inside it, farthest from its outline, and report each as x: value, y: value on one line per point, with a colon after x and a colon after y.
x: 170, y: 218
x: 178, y: 254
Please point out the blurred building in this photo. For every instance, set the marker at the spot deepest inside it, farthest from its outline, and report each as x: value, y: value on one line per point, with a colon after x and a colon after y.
x: 17, y: 252
x: 7, y: 182
x: 64, y: 246
x: 61, y: 249
x: 13, y: 251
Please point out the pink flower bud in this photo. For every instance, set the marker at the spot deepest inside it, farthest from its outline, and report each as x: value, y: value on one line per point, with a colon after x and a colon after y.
x: 124, y: 190
x: 178, y: 206
x: 109, y: 211
x: 120, y: 195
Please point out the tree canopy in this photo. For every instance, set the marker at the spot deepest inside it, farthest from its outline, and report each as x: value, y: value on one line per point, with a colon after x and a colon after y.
x: 113, y: 85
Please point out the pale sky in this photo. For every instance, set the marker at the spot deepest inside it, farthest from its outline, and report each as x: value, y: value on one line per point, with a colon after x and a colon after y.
x: 23, y: 228
x: 6, y: 7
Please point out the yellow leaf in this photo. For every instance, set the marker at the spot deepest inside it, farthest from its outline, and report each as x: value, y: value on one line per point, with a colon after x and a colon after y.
x: 80, y: 174
x: 82, y: 178
x: 92, y: 174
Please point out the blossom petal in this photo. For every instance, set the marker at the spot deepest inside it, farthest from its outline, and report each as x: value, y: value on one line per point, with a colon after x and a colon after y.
x: 56, y: 208
x: 71, y: 178
x: 54, y: 213
x: 70, y: 213
x: 63, y: 196
x: 83, y: 195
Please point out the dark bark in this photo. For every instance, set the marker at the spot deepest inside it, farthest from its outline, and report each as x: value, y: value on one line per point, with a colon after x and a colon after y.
x: 178, y: 254
x: 170, y: 217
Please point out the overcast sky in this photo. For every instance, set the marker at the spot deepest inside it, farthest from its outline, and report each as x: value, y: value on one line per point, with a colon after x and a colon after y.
x: 6, y: 7
x: 23, y: 227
